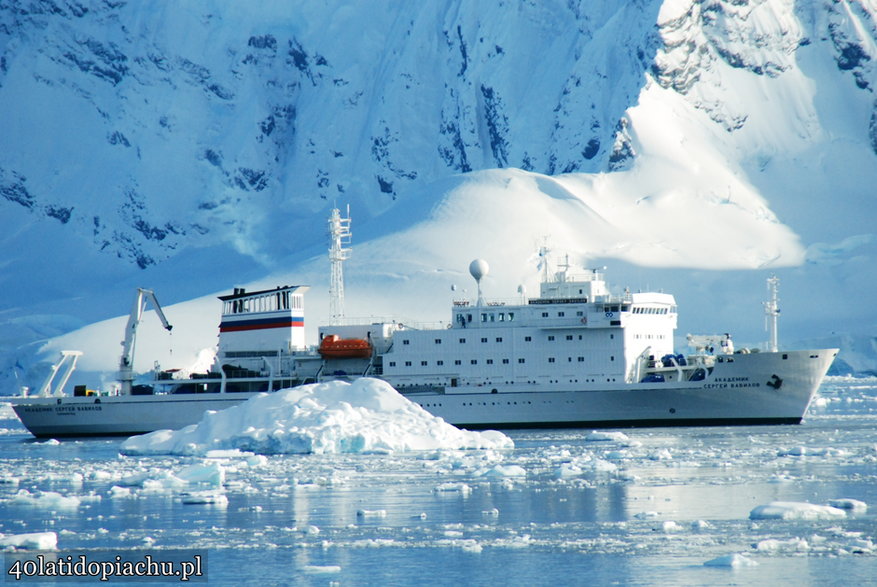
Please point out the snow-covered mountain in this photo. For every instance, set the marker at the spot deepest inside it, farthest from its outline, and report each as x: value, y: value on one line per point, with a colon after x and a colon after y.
x: 190, y: 147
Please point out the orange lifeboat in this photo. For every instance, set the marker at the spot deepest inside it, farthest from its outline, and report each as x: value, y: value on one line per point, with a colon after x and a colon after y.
x: 335, y: 347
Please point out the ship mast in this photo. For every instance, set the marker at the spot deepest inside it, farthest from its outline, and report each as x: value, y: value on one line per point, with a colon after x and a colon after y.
x: 339, y: 233
x: 771, y: 313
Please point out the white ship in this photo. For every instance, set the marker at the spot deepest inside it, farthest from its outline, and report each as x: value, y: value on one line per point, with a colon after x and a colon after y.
x: 577, y: 355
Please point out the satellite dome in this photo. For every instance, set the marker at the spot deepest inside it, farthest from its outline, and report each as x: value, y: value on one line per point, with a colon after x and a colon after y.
x: 478, y: 269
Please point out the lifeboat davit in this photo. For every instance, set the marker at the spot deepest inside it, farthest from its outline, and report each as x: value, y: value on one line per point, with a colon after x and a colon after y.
x: 335, y: 347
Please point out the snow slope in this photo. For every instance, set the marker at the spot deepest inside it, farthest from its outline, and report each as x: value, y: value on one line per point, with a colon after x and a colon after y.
x: 691, y: 146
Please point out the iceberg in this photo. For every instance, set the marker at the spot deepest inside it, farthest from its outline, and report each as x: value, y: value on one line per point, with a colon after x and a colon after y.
x: 366, y: 416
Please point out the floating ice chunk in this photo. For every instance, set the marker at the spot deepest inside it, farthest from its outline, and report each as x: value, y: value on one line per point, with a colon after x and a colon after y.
x: 491, y: 513
x: 798, y: 451
x: 50, y: 442
x: 701, y: 525
x: 257, y: 460
x: 606, y: 436
x: 567, y: 470
x: 506, y: 471
x: 321, y: 569
x: 216, y: 498
x: 99, y: 475
x: 366, y: 416
x: 371, y: 513
x: 51, y: 500
x: 119, y: 492
x: 210, y: 473
x: 670, y: 526
x: 451, y: 487
x: 791, y: 545
x: 853, y: 505
x: 790, y: 510
x: 471, y: 545
x: 661, y: 455
x: 32, y: 541
x: 733, y: 561
x: 601, y: 466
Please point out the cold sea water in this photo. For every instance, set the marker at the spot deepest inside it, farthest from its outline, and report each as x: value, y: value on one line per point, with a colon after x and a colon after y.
x: 675, y: 506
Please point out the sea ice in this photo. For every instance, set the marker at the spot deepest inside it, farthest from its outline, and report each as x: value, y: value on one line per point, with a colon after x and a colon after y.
x: 853, y: 505
x: 366, y: 416
x: 208, y: 497
x: 31, y: 541
x: 505, y: 471
x: 790, y: 510
x: 371, y: 513
x: 606, y: 436
x: 211, y: 474
x: 733, y: 561
x: 321, y: 569
x: 51, y: 500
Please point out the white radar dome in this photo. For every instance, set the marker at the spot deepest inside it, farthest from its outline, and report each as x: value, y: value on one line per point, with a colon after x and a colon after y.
x: 478, y: 269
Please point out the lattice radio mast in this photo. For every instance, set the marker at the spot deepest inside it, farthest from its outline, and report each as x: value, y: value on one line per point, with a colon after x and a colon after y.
x: 772, y: 312
x: 339, y: 233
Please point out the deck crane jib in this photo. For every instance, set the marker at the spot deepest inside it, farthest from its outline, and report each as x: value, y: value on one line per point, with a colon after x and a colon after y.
x: 126, y: 363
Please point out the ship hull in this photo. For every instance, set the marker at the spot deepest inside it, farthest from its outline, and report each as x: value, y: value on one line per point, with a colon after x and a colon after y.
x: 758, y: 388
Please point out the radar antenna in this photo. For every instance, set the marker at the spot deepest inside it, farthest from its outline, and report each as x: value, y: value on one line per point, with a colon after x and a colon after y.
x: 478, y: 269
x: 339, y: 233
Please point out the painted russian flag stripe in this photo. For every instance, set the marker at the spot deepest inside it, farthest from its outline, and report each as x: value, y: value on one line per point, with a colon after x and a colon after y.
x: 261, y: 324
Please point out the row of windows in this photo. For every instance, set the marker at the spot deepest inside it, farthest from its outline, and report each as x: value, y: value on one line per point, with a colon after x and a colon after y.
x: 521, y: 361
x: 639, y: 310
x: 487, y: 317
x: 484, y: 339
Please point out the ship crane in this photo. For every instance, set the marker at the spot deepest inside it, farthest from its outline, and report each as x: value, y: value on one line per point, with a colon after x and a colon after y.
x: 126, y: 363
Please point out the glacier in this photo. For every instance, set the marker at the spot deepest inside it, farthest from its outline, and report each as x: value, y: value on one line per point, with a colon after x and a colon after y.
x: 696, y: 146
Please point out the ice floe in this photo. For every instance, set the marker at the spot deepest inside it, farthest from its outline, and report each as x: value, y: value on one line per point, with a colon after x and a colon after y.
x: 733, y: 561
x: 30, y: 541
x: 366, y: 416
x: 853, y: 505
x: 790, y: 510
x: 52, y: 500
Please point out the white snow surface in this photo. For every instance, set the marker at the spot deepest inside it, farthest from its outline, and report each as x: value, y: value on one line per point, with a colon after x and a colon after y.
x: 366, y: 416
